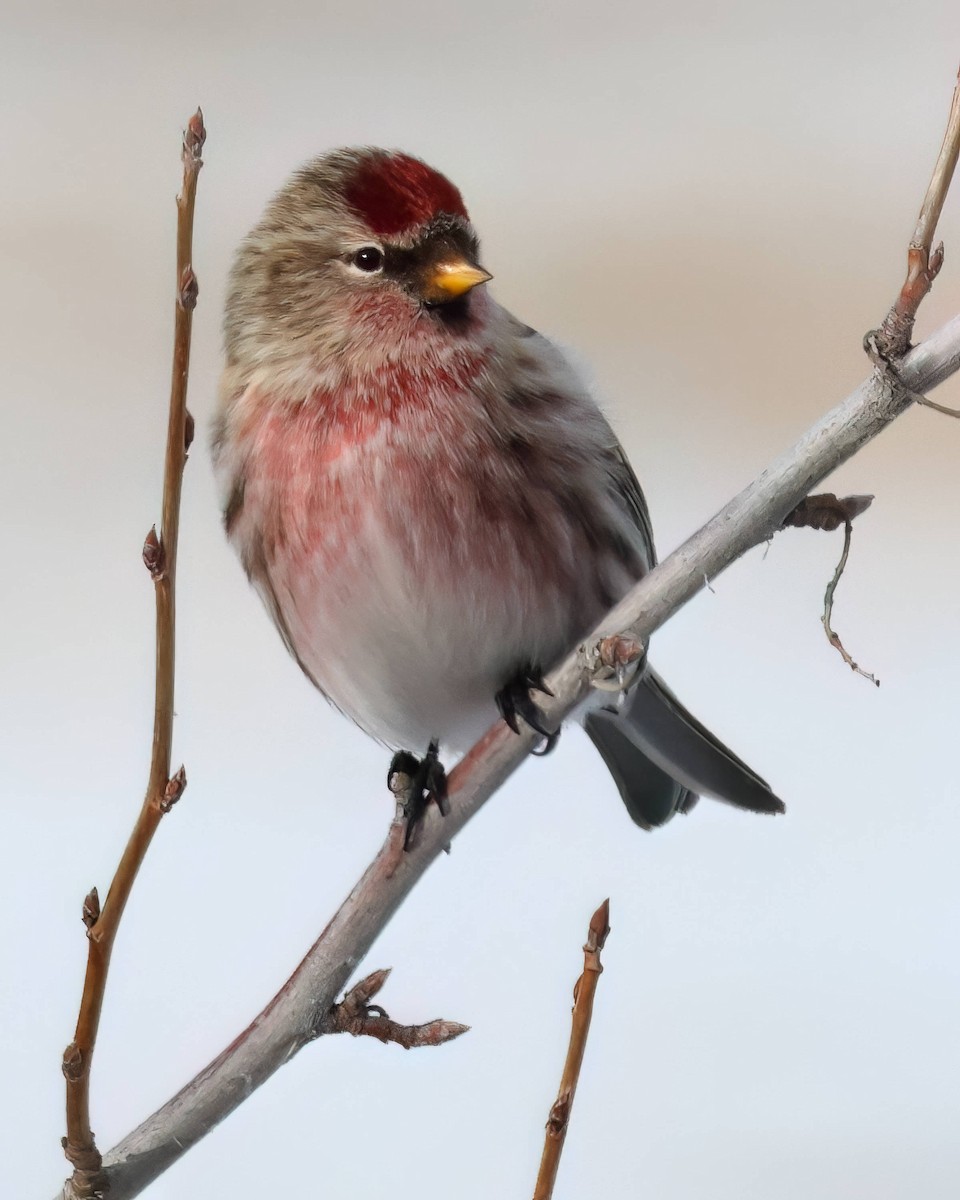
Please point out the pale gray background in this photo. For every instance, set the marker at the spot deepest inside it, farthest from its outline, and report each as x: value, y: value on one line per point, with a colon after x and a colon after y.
x: 711, y: 203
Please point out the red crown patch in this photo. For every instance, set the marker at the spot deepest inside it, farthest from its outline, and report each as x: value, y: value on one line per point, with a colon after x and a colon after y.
x: 393, y: 192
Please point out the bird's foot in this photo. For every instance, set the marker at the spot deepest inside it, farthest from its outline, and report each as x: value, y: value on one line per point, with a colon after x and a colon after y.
x: 427, y: 781
x: 514, y: 700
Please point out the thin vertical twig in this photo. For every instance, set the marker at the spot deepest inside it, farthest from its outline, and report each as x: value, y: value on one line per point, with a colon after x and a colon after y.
x: 163, y: 788
x: 583, y: 994
x: 923, y: 261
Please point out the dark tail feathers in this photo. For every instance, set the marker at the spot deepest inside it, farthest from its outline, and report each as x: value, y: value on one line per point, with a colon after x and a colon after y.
x: 662, y: 759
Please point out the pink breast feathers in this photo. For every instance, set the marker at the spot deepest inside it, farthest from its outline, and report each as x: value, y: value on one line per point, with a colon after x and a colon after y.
x: 310, y: 468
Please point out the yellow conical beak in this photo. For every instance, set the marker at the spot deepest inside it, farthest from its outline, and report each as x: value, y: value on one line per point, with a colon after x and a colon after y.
x: 452, y: 278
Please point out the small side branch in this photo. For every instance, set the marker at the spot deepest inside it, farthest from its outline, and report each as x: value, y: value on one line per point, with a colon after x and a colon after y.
x: 832, y: 636
x: 583, y: 993
x: 164, y: 788
x: 923, y: 262
x: 828, y: 512
x: 357, y: 1016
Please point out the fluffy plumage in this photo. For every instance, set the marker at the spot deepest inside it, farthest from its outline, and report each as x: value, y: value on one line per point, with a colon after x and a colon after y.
x: 423, y: 491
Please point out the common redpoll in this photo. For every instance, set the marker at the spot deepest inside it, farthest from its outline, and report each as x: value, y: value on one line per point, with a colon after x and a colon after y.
x: 421, y: 488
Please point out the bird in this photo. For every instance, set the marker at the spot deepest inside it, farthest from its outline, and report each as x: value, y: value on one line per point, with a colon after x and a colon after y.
x: 424, y: 492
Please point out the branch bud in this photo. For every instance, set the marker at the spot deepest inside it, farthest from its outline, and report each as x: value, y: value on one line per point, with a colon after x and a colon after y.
x: 189, y: 290
x: 599, y: 929
x: 174, y: 790
x: 91, y: 908
x: 559, y: 1116
x: 72, y: 1065
x: 154, y: 558
x: 194, y: 136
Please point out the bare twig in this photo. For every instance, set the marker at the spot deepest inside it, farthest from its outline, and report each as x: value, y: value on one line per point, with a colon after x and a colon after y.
x: 160, y: 557
x: 285, y: 1025
x: 833, y: 637
x: 583, y: 993
x: 826, y: 511
x: 928, y: 403
x: 923, y: 262
x: 357, y: 1016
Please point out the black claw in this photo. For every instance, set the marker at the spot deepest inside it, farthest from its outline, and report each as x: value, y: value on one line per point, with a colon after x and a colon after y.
x: 514, y: 700
x: 507, y: 710
x: 428, y: 781
x: 535, y: 679
x: 403, y: 763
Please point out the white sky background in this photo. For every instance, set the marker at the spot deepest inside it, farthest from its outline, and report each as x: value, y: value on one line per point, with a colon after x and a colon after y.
x: 711, y: 204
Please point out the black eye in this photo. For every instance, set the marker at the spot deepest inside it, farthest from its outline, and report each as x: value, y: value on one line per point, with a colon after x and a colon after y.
x: 369, y: 258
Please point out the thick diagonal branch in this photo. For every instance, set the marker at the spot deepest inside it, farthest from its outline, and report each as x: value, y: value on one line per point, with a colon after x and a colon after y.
x: 289, y: 1021
x: 163, y: 789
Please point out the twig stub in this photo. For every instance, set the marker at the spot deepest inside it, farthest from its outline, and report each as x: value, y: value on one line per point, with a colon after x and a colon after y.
x: 616, y: 662
x: 826, y: 511
x: 619, y: 651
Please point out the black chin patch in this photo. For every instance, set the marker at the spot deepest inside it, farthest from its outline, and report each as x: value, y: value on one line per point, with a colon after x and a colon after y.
x: 453, y: 314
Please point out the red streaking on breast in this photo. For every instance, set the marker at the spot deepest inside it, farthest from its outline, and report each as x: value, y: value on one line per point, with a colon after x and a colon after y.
x: 282, y: 440
x: 393, y: 192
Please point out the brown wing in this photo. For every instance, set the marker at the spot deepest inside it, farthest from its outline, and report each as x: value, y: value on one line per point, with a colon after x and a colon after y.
x: 628, y: 489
